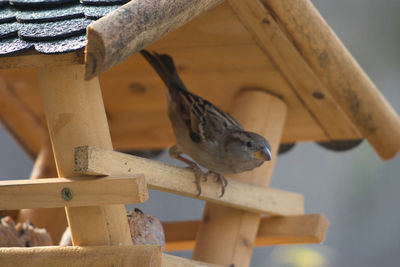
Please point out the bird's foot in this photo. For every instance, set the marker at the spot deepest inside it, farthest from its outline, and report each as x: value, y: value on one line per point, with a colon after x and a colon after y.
x: 218, y: 178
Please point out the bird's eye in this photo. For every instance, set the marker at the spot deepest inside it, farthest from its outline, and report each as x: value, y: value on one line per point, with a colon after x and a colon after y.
x: 249, y: 144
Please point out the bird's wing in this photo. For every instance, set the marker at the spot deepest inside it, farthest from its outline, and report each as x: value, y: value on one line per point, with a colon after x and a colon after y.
x: 205, y: 121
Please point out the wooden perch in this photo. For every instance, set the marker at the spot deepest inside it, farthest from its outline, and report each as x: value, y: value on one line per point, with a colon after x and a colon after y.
x: 100, y: 256
x: 134, y: 26
x: 160, y: 176
x: 174, y: 261
x: 61, y: 192
x: 277, y: 230
x: 340, y: 73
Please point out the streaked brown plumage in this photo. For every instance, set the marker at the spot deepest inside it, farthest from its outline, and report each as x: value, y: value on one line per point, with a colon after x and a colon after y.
x: 211, y: 137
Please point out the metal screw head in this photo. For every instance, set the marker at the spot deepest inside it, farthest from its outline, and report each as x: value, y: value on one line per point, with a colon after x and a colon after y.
x: 66, y: 193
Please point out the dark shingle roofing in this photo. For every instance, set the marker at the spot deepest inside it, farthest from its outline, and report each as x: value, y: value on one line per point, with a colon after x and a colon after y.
x: 49, y: 26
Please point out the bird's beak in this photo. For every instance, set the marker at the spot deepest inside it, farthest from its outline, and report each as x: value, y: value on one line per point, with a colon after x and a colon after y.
x: 263, y: 154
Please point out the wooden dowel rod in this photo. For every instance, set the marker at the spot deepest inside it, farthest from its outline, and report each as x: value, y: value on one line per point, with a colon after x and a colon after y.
x: 341, y: 74
x: 134, y: 26
x: 75, y: 116
x: 99, y: 256
x: 177, y: 180
x: 276, y: 230
x: 174, y: 261
x: 226, y: 235
x: 77, y: 192
x: 52, y: 219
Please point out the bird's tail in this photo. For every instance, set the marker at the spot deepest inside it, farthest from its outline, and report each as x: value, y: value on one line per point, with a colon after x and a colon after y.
x: 165, y: 67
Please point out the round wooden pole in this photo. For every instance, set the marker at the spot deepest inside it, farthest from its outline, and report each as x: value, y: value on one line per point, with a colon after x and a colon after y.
x: 76, y: 116
x: 53, y: 219
x: 226, y: 235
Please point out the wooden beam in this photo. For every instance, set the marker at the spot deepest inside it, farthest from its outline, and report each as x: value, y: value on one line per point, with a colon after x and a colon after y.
x: 24, y: 126
x: 101, y: 256
x: 265, y: 114
x: 277, y: 46
x: 75, y: 116
x: 134, y: 26
x: 177, y: 180
x: 174, y: 261
x: 340, y: 73
x: 35, y: 59
x: 53, y: 220
x: 275, y: 230
x: 73, y: 192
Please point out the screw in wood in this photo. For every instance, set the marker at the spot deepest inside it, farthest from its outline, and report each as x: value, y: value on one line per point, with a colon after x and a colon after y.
x: 66, y: 193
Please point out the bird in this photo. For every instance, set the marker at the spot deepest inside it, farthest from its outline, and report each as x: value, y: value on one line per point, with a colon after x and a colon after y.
x: 210, y: 136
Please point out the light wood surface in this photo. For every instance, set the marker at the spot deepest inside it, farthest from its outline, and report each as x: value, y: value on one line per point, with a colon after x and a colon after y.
x: 226, y: 235
x: 174, y: 261
x: 100, y: 256
x: 47, y: 193
x: 178, y: 180
x: 52, y: 219
x: 340, y: 73
x: 134, y: 26
x: 76, y: 116
x: 274, y: 230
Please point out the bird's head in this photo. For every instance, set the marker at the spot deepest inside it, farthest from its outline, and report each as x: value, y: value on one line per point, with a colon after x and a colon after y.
x: 249, y: 149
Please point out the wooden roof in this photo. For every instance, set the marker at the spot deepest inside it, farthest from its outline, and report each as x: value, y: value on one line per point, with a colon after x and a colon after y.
x: 267, y: 45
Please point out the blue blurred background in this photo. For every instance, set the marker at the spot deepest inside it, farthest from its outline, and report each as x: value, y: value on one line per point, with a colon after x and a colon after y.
x: 355, y: 190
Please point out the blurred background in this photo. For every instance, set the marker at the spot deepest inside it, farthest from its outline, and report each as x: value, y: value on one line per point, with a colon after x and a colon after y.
x: 355, y: 190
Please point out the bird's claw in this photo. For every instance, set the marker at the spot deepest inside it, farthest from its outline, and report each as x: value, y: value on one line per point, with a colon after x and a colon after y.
x: 218, y: 178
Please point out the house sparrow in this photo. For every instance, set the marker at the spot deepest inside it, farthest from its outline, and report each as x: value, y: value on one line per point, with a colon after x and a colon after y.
x: 211, y: 137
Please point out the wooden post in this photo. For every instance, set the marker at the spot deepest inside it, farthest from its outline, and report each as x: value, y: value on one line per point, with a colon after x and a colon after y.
x: 52, y: 219
x: 226, y: 235
x: 76, y: 116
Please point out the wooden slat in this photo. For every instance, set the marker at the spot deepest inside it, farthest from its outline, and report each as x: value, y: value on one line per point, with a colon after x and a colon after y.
x: 265, y: 114
x: 177, y: 180
x: 75, y: 116
x: 276, y: 45
x: 276, y: 230
x: 100, y: 256
x: 46, y: 193
x: 340, y: 73
x: 34, y: 59
x: 174, y: 261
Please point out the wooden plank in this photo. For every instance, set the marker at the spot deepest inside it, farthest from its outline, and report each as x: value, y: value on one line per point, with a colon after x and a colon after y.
x: 307, y: 86
x: 53, y: 220
x: 48, y: 193
x: 75, y: 116
x: 177, y: 180
x: 34, y: 59
x: 265, y: 114
x: 24, y: 126
x: 274, y: 230
x: 174, y: 261
x: 147, y: 22
x: 101, y: 256
x: 340, y: 73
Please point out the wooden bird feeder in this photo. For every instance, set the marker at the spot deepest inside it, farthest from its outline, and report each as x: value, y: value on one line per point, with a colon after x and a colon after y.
x: 275, y: 65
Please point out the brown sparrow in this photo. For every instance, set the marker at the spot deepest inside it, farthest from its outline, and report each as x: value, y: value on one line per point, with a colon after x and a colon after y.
x: 211, y: 137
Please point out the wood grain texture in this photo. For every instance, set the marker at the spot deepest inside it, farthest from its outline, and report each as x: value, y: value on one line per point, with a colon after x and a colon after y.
x: 101, y: 256
x: 303, y: 81
x: 35, y: 59
x: 178, y: 180
x: 134, y: 26
x: 46, y: 193
x: 265, y: 114
x: 53, y: 220
x: 275, y: 230
x: 340, y: 73
x: 75, y: 116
